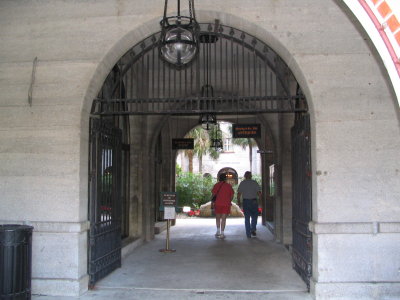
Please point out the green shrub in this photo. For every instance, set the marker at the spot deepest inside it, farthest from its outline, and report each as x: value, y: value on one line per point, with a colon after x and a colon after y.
x: 193, y: 189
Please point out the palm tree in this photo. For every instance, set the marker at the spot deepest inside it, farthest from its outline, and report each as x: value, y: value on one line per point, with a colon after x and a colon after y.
x: 201, y: 147
x: 212, y: 152
x: 189, y: 153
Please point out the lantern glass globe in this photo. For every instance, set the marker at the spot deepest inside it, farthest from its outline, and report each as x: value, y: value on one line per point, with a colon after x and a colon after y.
x: 179, y: 47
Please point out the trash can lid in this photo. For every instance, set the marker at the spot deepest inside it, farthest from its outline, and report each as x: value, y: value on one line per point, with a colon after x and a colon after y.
x: 15, y: 227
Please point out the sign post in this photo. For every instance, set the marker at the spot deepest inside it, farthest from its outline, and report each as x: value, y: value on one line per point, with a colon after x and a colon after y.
x: 169, y: 203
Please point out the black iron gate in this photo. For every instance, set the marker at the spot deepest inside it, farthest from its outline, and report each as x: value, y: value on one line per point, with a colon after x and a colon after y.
x: 301, y: 170
x: 104, y: 199
x: 234, y: 73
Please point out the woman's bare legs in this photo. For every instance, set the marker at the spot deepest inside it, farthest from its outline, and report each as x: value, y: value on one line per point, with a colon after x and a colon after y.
x: 218, y: 223
x: 222, y: 225
x: 220, y: 220
x: 223, y: 222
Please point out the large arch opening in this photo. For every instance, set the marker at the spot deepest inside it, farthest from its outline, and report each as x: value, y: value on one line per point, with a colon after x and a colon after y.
x: 237, y: 78
x: 214, y: 152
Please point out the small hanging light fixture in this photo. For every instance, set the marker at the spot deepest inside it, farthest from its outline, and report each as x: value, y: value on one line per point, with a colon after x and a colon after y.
x: 208, y: 120
x: 179, y: 38
x: 216, y: 142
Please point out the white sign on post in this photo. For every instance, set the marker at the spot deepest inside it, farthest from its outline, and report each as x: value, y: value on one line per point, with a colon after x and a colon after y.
x: 169, y: 212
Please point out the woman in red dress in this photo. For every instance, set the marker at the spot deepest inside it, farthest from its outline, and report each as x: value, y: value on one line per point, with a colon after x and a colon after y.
x: 222, y: 204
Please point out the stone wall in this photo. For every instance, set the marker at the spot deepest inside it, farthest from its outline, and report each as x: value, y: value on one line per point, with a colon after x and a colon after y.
x: 355, y: 129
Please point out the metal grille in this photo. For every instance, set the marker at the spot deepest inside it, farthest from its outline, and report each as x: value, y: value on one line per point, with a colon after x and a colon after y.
x: 233, y: 73
x: 188, y: 106
x: 301, y: 164
x: 104, y: 199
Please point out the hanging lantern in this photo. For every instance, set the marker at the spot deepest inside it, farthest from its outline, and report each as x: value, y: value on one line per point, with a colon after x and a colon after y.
x: 208, y: 120
x: 216, y: 142
x: 179, y: 36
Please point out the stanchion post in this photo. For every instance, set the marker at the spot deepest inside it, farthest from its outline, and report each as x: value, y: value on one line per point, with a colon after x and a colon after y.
x: 169, y: 202
x: 167, y: 249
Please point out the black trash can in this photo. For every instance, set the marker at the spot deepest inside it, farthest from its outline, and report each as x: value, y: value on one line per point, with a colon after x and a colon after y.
x: 15, y: 261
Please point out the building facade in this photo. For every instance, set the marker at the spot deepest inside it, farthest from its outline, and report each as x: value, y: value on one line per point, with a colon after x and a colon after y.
x: 55, y: 57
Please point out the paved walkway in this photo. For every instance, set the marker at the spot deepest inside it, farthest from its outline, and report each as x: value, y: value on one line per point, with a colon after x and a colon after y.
x: 203, y: 267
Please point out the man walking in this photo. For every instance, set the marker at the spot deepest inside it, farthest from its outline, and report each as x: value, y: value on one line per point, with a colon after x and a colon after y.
x: 251, y: 192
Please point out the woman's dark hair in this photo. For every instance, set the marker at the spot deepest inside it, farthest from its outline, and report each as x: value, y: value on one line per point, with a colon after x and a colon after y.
x: 222, y: 177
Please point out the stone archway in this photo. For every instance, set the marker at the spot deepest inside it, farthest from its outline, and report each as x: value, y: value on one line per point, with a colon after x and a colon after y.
x: 264, y: 84
x: 310, y: 68
x: 231, y: 175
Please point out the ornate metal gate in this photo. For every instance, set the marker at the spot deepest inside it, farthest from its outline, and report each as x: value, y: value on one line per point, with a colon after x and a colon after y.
x: 234, y: 73
x: 301, y: 170
x: 104, y: 199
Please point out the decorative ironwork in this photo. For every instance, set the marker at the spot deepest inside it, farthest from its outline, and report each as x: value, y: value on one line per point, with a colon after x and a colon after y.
x: 195, y: 106
x: 233, y: 73
x: 302, y: 209
x: 104, y: 199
